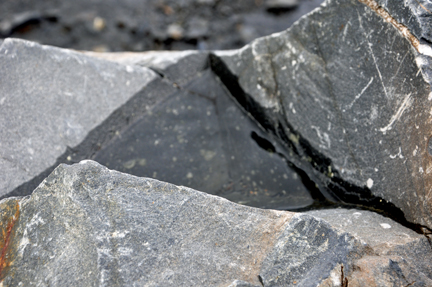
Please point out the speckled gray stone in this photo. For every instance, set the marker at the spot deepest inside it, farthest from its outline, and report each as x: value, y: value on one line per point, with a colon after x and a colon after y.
x: 90, y: 226
x: 50, y: 99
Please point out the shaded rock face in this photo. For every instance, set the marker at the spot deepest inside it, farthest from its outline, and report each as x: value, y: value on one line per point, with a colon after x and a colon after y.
x: 88, y: 225
x: 198, y: 138
x: 182, y: 127
x: 351, y: 94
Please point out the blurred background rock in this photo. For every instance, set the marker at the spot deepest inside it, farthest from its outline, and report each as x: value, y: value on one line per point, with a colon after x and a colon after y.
x: 142, y: 25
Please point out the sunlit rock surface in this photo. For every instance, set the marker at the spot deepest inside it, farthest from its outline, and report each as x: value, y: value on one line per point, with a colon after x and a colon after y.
x: 88, y: 225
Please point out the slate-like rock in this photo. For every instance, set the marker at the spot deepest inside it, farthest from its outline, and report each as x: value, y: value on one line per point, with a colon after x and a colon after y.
x: 182, y: 127
x: 198, y: 138
x: 87, y: 225
x: 348, y: 88
x: 50, y: 99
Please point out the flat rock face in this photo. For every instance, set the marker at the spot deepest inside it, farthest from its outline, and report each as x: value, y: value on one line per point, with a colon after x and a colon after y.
x: 198, y: 137
x: 50, y: 99
x: 350, y: 94
x: 88, y: 225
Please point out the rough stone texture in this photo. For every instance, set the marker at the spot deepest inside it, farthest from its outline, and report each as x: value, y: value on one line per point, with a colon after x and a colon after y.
x: 390, y: 249
x: 351, y: 95
x: 50, y: 99
x: 87, y: 225
x: 347, y: 107
x: 414, y: 14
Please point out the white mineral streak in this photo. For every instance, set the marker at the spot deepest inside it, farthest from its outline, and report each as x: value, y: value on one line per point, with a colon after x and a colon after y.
x: 407, y: 102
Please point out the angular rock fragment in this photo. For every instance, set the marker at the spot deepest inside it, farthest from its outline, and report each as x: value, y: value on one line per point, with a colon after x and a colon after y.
x: 88, y: 225
x: 50, y: 99
x: 348, y: 88
x: 184, y: 128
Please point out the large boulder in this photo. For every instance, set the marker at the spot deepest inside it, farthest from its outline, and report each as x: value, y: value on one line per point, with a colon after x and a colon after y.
x: 348, y: 89
x: 50, y: 99
x: 87, y: 225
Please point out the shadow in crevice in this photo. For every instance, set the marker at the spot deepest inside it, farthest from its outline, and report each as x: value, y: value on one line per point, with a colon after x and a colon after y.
x: 330, y: 190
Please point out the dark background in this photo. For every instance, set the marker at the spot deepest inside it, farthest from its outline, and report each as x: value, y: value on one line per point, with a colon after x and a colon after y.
x: 132, y: 25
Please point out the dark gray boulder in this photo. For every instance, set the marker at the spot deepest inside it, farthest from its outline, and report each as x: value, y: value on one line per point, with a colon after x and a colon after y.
x: 87, y: 225
x: 348, y: 89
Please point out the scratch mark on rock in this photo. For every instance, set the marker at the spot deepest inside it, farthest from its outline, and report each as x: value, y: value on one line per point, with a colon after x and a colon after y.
x: 361, y: 93
x: 405, y: 104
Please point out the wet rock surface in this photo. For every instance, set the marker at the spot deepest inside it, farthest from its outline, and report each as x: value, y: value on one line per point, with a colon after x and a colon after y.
x: 334, y: 111
x: 117, y: 229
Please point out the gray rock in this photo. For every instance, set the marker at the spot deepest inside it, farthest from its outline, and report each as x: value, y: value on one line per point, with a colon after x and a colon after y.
x: 350, y: 93
x: 184, y: 128
x: 50, y: 99
x: 101, y: 227
x: 87, y: 225
x: 197, y: 138
x: 414, y: 14
x: 178, y: 67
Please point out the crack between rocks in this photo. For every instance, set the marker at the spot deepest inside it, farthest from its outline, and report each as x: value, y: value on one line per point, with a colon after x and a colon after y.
x: 348, y: 195
x: 344, y: 280
x: 388, y: 18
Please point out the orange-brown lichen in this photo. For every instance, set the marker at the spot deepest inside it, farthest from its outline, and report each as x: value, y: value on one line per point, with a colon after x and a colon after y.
x: 9, y: 215
x: 388, y: 18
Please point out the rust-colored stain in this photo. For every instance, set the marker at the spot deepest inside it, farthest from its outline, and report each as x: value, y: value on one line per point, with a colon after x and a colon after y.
x: 10, y: 212
x: 387, y: 17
